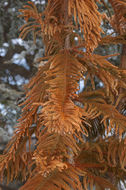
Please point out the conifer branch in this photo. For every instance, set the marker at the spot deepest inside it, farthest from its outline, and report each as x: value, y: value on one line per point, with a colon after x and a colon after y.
x: 62, y: 119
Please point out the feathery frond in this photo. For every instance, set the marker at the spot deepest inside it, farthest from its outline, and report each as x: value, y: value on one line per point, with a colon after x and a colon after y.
x: 118, y: 21
x: 88, y: 18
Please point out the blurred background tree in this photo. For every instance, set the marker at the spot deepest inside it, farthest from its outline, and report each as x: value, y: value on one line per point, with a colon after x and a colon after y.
x: 17, y: 60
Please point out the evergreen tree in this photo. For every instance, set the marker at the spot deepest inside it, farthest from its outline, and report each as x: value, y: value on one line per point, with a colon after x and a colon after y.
x: 80, y: 136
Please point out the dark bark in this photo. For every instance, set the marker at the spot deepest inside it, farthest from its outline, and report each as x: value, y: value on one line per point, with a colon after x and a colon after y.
x: 4, y: 187
x: 122, y: 104
x: 66, y: 20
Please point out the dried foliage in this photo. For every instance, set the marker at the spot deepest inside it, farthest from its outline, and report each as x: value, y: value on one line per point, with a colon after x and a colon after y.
x: 118, y: 20
x: 69, y: 153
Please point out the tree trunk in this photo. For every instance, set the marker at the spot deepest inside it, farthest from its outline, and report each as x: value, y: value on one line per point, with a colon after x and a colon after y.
x: 66, y: 22
x: 122, y: 66
x: 123, y: 57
